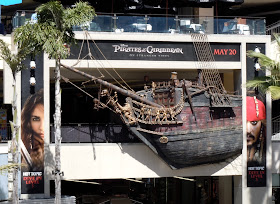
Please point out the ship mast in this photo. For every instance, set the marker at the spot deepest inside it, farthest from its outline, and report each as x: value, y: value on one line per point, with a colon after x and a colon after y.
x: 122, y: 91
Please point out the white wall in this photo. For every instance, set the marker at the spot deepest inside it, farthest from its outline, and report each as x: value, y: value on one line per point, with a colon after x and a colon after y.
x: 7, y: 73
x: 105, y: 161
x: 3, y: 148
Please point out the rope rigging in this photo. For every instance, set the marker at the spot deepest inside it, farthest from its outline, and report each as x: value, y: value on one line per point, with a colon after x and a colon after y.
x: 99, y: 103
x: 90, y: 55
x: 209, y: 73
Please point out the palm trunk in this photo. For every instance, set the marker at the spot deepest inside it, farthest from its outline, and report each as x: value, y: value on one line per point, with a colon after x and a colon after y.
x: 14, y: 147
x: 57, y: 133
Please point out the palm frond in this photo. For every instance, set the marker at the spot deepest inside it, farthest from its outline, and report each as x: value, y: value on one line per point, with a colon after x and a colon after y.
x: 26, y: 37
x: 13, y: 60
x: 276, y: 36
x: 262, y: 83
x: 42, y: 37
x: 8, y: 167
x: 275, y: 92
x: 5, y: 51
x: 80, y: 14
x: 54, y: 28
x: 264, y: 61
x: 51, y: 13
x: 258, y: 80
x: 270, y: 83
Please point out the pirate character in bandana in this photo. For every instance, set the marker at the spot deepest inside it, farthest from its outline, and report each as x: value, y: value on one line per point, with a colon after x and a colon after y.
x: 255, y: 130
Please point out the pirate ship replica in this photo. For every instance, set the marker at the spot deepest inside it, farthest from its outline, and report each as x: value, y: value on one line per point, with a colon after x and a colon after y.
x: 185, y: 123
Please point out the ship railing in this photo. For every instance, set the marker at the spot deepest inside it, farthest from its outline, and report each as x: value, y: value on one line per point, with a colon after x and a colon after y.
x: 173, y: 24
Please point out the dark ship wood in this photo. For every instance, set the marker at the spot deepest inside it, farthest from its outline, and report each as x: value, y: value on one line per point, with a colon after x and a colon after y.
x: 180, y: 121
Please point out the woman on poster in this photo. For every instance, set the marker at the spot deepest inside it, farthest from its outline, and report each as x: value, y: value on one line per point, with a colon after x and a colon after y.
x: 32, y: 132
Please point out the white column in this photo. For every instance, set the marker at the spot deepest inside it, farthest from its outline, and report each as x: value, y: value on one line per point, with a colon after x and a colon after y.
x: 252, y: 195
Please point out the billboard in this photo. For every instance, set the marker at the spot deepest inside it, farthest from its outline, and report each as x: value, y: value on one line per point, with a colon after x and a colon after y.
x: 32, y: 132
x: 153, y: 51
x: 255, y: 127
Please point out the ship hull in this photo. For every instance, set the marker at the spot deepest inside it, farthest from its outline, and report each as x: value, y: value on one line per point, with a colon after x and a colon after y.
x: 194, y: 148
x: 202, y: 134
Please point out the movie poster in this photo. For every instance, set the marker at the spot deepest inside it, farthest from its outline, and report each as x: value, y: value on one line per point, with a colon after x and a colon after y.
x: 255, y: 126
x: 256, y: 142
x: 32, y: 132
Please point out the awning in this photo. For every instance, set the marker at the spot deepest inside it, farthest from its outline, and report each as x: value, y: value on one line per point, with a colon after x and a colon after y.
x: 10, y: 2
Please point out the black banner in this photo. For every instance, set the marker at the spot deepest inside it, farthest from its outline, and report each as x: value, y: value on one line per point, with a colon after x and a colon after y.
x: 32, y: 182
x: 256, y: 126
x: 32, y: 129
x: 153, y: 51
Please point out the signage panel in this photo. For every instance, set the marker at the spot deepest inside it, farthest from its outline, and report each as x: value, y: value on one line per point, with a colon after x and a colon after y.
x: 256, y: 127
x: 32, y: 131
x: 154, y: 51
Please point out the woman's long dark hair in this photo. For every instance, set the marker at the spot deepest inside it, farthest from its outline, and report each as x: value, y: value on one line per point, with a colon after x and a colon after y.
x: 26, y: 129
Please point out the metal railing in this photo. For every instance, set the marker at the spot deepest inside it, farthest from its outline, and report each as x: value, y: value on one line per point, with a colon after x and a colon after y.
x: 273, y: 28
x: 94, y: 133
x: 275, y: 125
x: 132, y: 201
x: 98, y: 133
x: 83, y: 133
x: 173, y: 24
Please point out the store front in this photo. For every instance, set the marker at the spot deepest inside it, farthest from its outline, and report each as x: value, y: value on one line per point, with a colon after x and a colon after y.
x: 167, y: 190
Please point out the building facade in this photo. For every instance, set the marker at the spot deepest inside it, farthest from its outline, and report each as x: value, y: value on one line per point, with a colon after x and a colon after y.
x: 100, y: 158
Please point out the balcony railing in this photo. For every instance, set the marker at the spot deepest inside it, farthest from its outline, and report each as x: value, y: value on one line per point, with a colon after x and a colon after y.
x: 94, y: 133
x: 173, y: 24
x: 276, y: 128
x: 273, y: 29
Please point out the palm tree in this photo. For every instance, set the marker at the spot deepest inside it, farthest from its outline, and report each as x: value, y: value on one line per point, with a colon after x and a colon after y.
x: 5, y: 168
x: 271, y: 82
x: 53, y: 30
x: 15, y: 63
